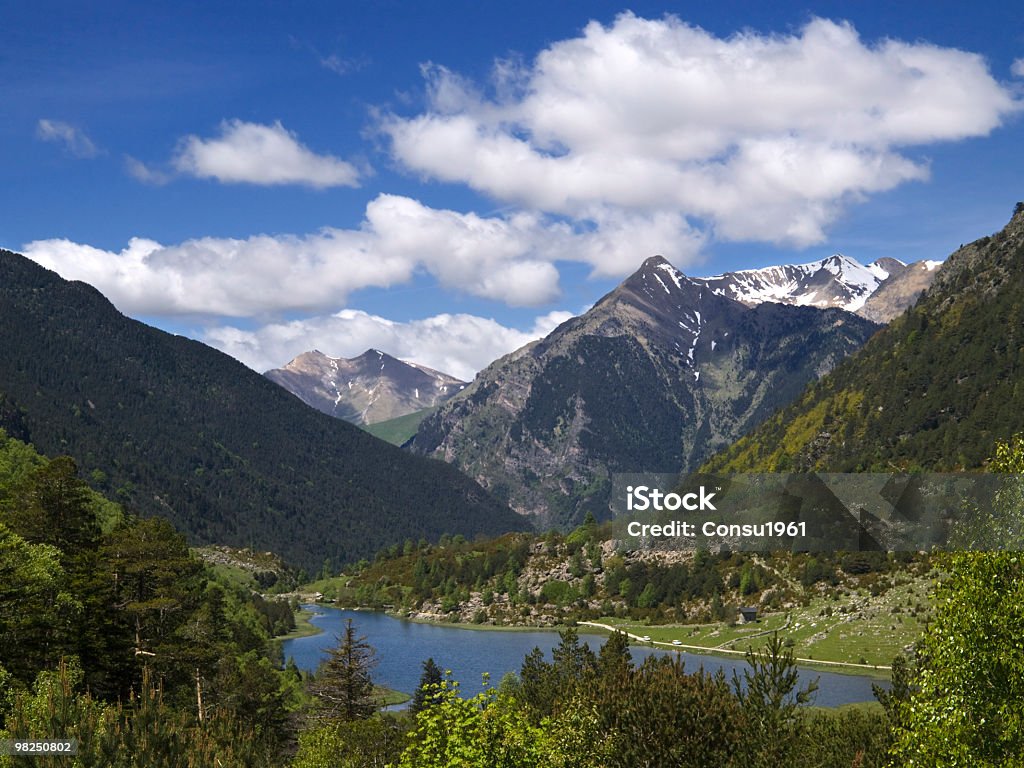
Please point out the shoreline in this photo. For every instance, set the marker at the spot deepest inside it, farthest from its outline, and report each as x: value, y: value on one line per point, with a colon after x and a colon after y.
x: 877, y: 672
x: 303, y: 626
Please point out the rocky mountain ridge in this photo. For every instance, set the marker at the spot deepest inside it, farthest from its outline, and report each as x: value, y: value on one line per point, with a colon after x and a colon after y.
x: 367, y: 389
x: 659, y: 374
x: 879, y: 291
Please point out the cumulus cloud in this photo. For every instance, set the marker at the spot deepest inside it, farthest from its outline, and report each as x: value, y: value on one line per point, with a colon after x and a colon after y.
x: 457, y: 344
x: 507, y: 259
x: 74, y: 141
x: 1017, y: 68
x: 754, y: 137
x: 261, y: 154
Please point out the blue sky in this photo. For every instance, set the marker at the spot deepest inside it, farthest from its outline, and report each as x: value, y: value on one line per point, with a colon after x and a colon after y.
x: 448, y: 180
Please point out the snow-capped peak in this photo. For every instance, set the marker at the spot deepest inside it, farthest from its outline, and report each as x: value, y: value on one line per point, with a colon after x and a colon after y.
x: 835, y: 281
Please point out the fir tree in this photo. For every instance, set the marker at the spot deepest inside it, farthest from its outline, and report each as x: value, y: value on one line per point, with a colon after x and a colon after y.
x: 428, y: 692
x: 343, y: 686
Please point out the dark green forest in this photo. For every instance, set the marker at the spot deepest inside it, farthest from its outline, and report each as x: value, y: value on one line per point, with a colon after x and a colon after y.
x: 169, y: 426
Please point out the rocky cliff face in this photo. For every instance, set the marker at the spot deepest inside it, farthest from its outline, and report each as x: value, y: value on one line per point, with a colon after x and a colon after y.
x: 903, y: 287
x: 659, y: 374
x: 367, y: 389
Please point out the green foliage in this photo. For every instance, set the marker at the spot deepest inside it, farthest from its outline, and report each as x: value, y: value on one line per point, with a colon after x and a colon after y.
x: 35, y: 608
x: 140, y: 733
x: 851, y: 736
x: 968, y: 706
x: 119, y: 607
x: 769, y: 696
x: 52, y: 707
x: 969, y: 709
x: 660, y: 715
x: 426, y: 691
x: 558, y: 592
x: 579, y: 710
x: 371, y: 743
x: 543, y: 683
x: 485, y: 730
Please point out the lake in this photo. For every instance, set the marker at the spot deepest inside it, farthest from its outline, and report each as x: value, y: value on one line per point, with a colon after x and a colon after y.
x: 403, y: 646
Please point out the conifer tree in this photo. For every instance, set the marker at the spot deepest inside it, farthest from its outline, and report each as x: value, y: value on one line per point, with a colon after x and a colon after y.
x: 343, y: 686
x: 428, y: 691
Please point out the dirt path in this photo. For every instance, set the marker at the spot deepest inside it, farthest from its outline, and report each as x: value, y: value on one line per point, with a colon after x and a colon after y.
x: 705, y: 649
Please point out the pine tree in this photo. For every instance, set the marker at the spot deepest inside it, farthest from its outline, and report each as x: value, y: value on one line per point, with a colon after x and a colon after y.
x: 770, y: 698
x: 428, y: 692
x: 343, y: 686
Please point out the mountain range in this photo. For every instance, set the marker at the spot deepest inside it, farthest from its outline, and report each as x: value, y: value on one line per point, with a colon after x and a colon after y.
x: 658, y: 375
x: 935, y: 390
x: 367, y: 389
x: 392, y: 397
x: 837, y: 281
x: 167, y: 425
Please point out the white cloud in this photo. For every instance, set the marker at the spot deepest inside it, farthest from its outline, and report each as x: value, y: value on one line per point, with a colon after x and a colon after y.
x: 1017, y: 68
x: 757, y: 137
x: 339, y: 65
x: 457, y: 344
x: 507, y: 259
x: 142, y: 172
x: 261, y: 154
x: 74, y: 140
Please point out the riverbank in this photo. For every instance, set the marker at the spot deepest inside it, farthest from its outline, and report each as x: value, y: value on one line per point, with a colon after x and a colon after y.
x: 878, y: 671
x: 389, y: 697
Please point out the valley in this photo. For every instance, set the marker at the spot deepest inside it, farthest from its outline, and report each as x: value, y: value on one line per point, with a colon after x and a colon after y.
x: 519, y: 385
x: 860, y: 610
x: 621, y: 386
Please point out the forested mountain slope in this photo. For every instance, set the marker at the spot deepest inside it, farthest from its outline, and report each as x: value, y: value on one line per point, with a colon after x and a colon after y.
x: 170, y: 426
x: 936, y: 389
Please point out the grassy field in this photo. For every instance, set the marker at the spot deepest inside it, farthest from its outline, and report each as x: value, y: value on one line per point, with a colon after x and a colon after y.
x: 396, y: 431
x: 859, y: 630
x: 390, y: 697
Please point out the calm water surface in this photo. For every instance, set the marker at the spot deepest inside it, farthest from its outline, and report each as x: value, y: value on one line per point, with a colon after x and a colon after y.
x: 403, y: 646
